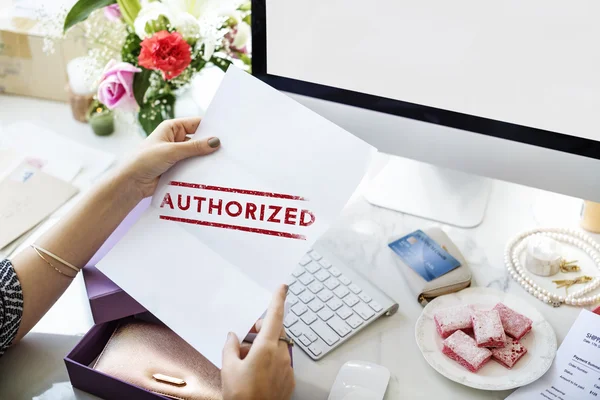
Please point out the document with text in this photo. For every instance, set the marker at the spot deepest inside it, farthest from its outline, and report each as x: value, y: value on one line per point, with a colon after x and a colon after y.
x: 224, y: 230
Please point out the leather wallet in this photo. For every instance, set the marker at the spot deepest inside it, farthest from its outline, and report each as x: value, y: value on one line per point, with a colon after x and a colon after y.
x: 455, y: 280
x: 153, y: 357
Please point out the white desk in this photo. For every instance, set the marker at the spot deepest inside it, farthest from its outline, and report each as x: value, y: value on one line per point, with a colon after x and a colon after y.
x: 34, y: 368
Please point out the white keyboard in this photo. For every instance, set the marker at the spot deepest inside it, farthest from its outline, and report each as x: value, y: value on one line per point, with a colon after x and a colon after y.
x: 329, y: 303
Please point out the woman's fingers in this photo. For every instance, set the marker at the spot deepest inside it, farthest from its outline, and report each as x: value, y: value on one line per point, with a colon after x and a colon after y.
x: 272, y: 324
x: 175, y: 130
x: 193, y: 148
x: 231, y: 351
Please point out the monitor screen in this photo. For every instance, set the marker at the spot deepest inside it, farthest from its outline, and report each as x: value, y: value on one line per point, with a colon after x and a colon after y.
x: 532, y: 63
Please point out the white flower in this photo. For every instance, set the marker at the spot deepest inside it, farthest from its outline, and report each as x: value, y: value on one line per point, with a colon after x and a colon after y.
x: 151, y: 11
x: 182, y: 20
x: 242, y: 35
x: 193, y: 7
x: 210, y: 43
x: 187, y: 25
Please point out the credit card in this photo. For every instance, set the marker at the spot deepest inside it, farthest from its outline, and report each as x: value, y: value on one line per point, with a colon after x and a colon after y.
x: 424, y: 255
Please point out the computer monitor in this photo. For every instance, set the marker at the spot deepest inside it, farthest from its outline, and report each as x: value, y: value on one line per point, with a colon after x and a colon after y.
x: 507, y: 90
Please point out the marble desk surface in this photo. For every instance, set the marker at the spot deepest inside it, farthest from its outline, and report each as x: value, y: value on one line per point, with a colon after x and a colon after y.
x: 34, y: 368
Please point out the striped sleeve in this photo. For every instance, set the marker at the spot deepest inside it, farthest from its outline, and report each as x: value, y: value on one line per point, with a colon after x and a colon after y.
x: 11, y: 305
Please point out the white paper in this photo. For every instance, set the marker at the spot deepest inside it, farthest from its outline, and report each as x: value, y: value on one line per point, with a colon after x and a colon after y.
x: 204, y: 281
x: 575, y: 373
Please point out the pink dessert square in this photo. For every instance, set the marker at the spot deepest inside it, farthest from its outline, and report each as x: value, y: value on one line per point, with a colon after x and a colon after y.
x: 509, y: 354
x: 462, y: 348
x: 449, y: 320
x: 488, y: 329
x: 515, y: 325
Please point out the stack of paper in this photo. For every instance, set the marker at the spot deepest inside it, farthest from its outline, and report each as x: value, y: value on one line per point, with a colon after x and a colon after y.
x: 223, y: 231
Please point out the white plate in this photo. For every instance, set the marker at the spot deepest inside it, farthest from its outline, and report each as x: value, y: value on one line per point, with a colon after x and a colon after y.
x: 540, y: 343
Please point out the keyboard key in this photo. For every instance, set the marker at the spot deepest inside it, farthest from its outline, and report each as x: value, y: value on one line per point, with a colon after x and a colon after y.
x: 296, y: 288
x: 324, y: 263
x: 291, y: 300
x: 375, y: 306
x: 354, y: 321
x: 316, y: 305
x: 299, y: 309
x: 305, y: 260
x: 290, y: 320
x: 312, y: 267
x: 334, y: 303
x: 345, y: 280
x: 306, y: 297
x: 309, y: 318
x: 331, y: 283
x: 314, y: 255
x: 315, y: 287
x: 322, y: 275
x: 341, y: 291
x: 298, y: 271
x: 365, y: 297
x: 297, y: 330
x: 325, y: 333
x: 311, y: 335
x: 306, y: 279
x: 305, y: 341
x: 290, y: 281
x: 335, y: 272
x: 325, y: 314
x: 316, y: 349
x: 344, y: 312
x: 325, y: 295
x: 339, y: 326
x: 363, y: 310
x: 354, y: 288
x: 351, y: 300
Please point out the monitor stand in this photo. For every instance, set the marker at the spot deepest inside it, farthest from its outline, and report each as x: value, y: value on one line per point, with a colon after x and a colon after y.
x: 431, y: 192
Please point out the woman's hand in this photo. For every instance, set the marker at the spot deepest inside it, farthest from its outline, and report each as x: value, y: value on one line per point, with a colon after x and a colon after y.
x: 265, y: 372
x: 166, y: 146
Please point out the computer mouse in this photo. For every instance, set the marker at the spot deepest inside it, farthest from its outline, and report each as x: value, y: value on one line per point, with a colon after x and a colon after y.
x: 360, y: 380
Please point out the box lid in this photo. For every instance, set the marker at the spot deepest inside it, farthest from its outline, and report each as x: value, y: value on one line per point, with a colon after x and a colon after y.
x: 107, y: 300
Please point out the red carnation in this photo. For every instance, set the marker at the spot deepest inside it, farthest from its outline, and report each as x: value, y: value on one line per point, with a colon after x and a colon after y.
x: 166, y: 52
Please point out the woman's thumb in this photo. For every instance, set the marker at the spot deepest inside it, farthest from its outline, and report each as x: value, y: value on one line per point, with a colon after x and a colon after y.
x: 199, y: 147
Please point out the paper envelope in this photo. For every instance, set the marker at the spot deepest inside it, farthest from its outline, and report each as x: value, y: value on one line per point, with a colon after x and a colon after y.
x: 28, y: 196
x: 223, y: 231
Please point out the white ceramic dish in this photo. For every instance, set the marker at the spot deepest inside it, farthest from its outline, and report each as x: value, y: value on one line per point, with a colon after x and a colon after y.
x: 540, y: 343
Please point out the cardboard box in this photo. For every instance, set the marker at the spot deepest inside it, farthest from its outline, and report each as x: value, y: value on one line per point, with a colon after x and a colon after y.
x: 25, y: 69
x: 108, y: 302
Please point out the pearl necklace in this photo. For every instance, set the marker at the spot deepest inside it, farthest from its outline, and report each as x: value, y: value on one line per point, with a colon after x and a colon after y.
x: 570, y: 236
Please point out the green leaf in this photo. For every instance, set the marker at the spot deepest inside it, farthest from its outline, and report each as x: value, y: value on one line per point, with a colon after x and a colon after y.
x: 155, y: 111
x: 141, y: 82
x: 222, y: 63
x: 82, y: 10
x: 131, y: 48
x: 130, y: 10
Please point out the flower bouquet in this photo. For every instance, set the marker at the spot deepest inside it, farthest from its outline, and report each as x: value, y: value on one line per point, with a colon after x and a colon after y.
x: 151, y: 50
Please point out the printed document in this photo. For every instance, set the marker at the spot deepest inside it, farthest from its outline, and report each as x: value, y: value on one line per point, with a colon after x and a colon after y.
x: 224, y: 230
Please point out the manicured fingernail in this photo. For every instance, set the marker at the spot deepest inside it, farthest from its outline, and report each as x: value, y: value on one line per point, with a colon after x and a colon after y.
x: 214, y: 142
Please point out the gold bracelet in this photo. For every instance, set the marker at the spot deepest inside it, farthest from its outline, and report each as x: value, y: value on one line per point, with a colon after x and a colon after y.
x: 56, y: 258
x: 50, y: 264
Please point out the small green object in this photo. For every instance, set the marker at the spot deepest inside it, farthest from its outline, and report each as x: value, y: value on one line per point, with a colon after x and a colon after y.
x: 82, y: 10
x: 102, y: 121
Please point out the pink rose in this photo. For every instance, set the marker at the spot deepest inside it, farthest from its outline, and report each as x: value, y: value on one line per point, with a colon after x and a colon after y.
x: 116, y: 86
x: 112, y: 12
